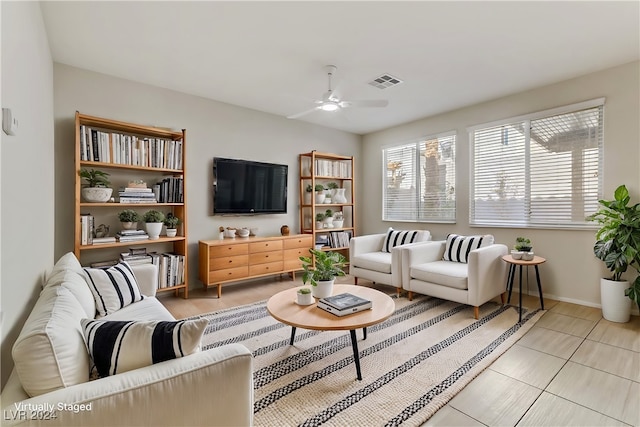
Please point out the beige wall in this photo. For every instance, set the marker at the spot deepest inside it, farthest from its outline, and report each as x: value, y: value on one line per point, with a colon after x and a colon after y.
x: 213, y: 129
x: 26, y: 168
x: 572, y: 272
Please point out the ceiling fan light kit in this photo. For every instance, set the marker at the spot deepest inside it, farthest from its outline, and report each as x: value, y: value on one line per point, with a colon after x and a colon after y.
x: 330, y: 102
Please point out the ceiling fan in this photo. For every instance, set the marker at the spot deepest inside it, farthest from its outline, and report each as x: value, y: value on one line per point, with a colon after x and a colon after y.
x: 330, y: 102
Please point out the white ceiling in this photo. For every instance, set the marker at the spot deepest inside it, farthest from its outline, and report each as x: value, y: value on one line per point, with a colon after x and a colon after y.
x: 269, y: 56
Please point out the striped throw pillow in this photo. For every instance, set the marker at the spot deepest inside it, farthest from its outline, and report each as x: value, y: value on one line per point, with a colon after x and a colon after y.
x: 113, y: 288
x: 458, y: 247
x: 121, y: 346
x: 402, y: 237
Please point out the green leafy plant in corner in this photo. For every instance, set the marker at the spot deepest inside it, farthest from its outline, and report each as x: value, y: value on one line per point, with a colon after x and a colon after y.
x: 171, y: 221
x: 523, y: 244
x: 618, y: 238
x: 95, y: 178
x: 153, y: 216
x: 129, y: 215
x: 327, y: 266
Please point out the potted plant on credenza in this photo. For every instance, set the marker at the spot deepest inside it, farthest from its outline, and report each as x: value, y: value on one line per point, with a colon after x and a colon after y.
x: 618, y: 245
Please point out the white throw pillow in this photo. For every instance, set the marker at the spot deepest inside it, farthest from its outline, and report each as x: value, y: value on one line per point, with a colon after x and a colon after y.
x: 113, y: 288
x: 120, y: 346
x: 458, y: 247
x: 403, y: 237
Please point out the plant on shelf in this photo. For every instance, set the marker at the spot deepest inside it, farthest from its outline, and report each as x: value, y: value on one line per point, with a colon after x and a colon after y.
x: 96, y: 186
x: 320, y: 195
x: 154, y: 220
x: 338, y: 219
x: 332, y: 186
x: 321, y: 269
x: 328, y: 218
x: 309, y: 188
x: 618, y: 246
x: 128, y: 218
x: 171, y: 222
x: 523, y: 244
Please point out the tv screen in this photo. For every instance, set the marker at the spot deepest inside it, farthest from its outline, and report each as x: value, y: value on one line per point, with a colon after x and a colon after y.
x: 246, y: 187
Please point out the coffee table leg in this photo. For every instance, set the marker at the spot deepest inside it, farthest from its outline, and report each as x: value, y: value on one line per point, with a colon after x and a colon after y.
x: 293, y: 334
x: 356, y: 354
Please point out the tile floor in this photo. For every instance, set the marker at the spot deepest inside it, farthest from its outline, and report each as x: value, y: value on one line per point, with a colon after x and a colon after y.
x: 573, y: 368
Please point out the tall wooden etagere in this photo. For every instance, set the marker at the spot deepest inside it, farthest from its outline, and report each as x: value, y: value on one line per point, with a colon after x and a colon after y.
x: 317, y: 168
x: 121, y: 172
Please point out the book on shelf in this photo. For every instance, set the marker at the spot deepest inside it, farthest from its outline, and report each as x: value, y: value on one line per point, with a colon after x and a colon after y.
x: 104, y: 264
x: 86, y: 229
x: 339, y: 239
x: 102, y: 240
x: 131, y: 237
x: 171, y: 270
x: 343, y: 304
x: 131, y: 232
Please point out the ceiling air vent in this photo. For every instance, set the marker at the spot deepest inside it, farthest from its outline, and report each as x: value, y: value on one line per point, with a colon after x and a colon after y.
x: 385, y: 81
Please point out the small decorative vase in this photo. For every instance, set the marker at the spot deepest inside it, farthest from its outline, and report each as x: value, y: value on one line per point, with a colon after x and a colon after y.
x: 171, y: 232
x: 338, y: 196
x: 284, y: 230
x: 320, y: 197
x: 323, y: 289
x: 338, y: 223
x: 153, y: 230
x: 305, y: 299
x: 129, y: 225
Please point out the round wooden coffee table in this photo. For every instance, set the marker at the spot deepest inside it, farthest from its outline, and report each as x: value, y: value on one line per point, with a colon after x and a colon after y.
x: 282, y: 307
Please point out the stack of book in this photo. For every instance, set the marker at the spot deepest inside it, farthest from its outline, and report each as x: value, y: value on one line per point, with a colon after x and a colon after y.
x: 170, y: 270
x: 137, y: 195
x: 131, y: 235
x: 137, y: 256
x: 343, y: 304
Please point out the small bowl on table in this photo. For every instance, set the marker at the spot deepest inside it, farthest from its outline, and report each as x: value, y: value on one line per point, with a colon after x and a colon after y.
x: 243, y: 232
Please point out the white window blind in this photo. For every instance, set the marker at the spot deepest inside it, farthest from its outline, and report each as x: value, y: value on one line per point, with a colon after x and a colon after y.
x: 419, y: 180
x: 542, y: 171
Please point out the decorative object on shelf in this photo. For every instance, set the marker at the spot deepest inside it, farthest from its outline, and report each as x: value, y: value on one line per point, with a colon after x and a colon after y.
x: 243, y: 232
x: 339, y: 196
x: 616, y: 245
x: 304, y: 296
x: 331, y: 192
x: 307, y: 194
x: 171, y: 222
x: 153, y: 220
x: 102, y: 231
x: 97, y: 189
x: 284, y: 230
x: 253, y: 231
x: 338, y: 219
x: 328, y: 218
x: 319, y: 220
x: 522, y: 249
x: 320, y: 195
x: 129, y: 219
x: 229, y: 233
x: 321, y: 271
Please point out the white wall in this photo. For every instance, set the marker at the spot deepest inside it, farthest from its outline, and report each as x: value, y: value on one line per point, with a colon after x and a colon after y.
x: 572, y: 272
x: 213, y: 129
x: 26, y: 168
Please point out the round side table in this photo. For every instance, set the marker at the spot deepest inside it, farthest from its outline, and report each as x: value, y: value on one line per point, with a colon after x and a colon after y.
x: 513, y: 263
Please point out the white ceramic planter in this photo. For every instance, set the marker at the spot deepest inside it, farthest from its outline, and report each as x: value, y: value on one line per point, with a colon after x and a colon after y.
x: 338, y: 223
x: 153, y: 230
x: 171, y: 232
x: 322, y: 289
x: 129, y: 225
x: 320, y: 197
x: 96, y: 194
x: 305, y: 299
x: 616, y: 306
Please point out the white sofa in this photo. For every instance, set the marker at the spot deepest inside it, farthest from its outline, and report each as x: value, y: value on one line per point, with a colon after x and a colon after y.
x: 212, y: 387
x: 475, y: 282
x: 368, y: 260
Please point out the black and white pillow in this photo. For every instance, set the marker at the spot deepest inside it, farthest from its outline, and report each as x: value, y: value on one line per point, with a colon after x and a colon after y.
x: 121, y: 346
x: 458, y: 247
x: 399, y: 237
x: 113, y: 288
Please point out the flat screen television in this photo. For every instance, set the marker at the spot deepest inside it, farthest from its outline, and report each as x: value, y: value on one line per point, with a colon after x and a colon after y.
x: 247, y: 187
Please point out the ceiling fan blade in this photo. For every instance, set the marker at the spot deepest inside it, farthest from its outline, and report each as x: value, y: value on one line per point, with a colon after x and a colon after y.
x: 364, y: 103
x: 295, y: 116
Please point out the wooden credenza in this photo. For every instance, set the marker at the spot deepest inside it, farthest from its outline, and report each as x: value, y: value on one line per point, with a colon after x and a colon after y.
x: 230, y: 260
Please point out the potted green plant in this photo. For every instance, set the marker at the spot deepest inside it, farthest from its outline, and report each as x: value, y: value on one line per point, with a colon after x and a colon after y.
x: 304, y: 296
x: 338, y: 219
x: 153, y: 220
x: 171, y: 222
x: 328, y: 218
x: 128, y: 218
x: 319, y: 220
x: 321, y: 269
x: 522, y: 249
x: 307, y: 194
x: 320, y: 195
x: 618, y: 245
x: 96, y: 188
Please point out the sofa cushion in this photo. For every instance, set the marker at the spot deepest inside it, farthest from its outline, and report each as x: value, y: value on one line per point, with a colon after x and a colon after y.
x: 120, y: 346
x: 50, y: 353
x: 113, y: 288
x: 147, y: 309
x: 375, y: 261
x: 402, y: 237
x: 446, y: 273
x: 67, y: 263
x: 458, y: 247
x: 77, y: 285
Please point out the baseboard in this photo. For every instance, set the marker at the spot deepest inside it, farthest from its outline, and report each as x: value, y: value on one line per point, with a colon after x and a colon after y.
x: 634, y: 310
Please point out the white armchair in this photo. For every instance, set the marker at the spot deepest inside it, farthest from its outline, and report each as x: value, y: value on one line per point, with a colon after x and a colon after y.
x: 479, y: 280
x: 369, y: 260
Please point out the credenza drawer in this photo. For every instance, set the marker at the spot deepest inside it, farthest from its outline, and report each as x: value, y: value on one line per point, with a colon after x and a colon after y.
x: 228, y: 274
x: 228, y: 262
x: 265, y: 246
x: 270, y: 267
x: 228, y: 250
x: 264, y: 257
x: 299, y: 242
x: 292, y: 264
x: 295, y: 254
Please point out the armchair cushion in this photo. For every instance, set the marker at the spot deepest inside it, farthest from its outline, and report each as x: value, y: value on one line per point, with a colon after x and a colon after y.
x: 376, y: 261
x: 458, y: 247
x: 121, y: 346
x: 447, y: 273
x: 113, y: 288
x: 402, y: 237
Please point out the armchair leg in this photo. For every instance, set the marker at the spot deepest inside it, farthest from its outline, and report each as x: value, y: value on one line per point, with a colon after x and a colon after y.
x: 399, y: 291
x: 410, y: 295
x: 476, y: 312
x: 355, y: 280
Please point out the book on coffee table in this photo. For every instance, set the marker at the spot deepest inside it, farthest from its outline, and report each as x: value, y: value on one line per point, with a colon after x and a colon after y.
x: 343, y: 304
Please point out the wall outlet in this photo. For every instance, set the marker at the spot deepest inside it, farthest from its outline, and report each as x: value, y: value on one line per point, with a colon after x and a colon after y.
x: 9, y: 122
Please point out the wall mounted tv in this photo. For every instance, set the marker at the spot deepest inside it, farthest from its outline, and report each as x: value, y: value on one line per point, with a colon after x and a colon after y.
x: 247, y: 187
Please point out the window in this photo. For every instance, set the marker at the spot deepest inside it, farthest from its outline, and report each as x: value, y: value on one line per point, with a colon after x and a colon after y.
x: 419, y: 180
x: 544, y: 170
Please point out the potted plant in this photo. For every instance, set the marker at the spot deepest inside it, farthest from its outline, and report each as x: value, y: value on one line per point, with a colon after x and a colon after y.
x: 154, y: 220
x: 338, y: 219
x: 304, y: 296
x: 319, y: 220
x: 320, y: 196
x: 97, y: 186
x: 307, y: 194
x: 617, y: 244
x: 328, y: 218
x: 522, y: 249
x: 321, y: 271
x: 128, y: 218
x: 171, y: 222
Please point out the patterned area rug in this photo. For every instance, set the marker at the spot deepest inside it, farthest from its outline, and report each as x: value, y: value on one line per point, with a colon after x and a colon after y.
x: 412, y: 364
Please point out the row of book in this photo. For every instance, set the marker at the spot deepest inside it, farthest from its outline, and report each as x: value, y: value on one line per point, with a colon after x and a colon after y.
x: 335, y: 168
x: 137, y: 195
x: 119, y: 148
x: 170, y: 265
x: 334, y: 239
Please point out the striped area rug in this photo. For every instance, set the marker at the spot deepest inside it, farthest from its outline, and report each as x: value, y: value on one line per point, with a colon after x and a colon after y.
x: 412, y: 364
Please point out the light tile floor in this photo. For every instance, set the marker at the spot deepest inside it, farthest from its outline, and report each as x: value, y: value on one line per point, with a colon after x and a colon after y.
x: 573, y: 368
